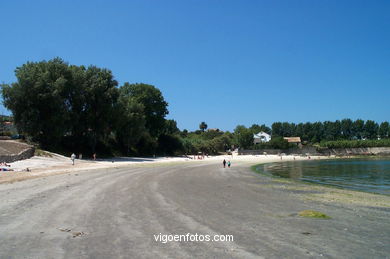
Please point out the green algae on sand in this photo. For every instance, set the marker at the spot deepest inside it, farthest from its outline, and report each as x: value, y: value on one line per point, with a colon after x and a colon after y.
x: 313, y: 214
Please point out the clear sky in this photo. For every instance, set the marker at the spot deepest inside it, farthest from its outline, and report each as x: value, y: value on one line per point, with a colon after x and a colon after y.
x: 219, y: 61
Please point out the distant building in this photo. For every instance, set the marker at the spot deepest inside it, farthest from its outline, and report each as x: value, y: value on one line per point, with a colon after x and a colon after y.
x: 294, y: 140
x: 215, y: 129
x: 261, y: 137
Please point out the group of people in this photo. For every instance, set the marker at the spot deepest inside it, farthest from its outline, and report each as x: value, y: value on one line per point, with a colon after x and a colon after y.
x: 5, y: 167
x: 224, y: 163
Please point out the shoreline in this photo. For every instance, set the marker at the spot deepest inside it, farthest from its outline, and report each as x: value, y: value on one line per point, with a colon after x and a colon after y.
x: 39, y: 166
x: 316, y: 192
x: 309, y: 191
x: 254, y: 169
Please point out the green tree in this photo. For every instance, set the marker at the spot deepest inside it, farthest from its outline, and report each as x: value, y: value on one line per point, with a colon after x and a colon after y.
x: 243, y: 137
x: 154, y: 105
x: 279, y: 143
x: 130, y: 123
x: 37, y: 100
x: 371, y: 129
x: 347, y: 128
x: 255, y: 128
x: 171, y: 127
x: 101, y: 96
x: 277, y: 129
x: 317, y: 132
x: 147, y: 145
x: 203, y: 126
x: 211, y: 134
x: 332, y: 130
x: 308, y: 131
x: 75, y: 103
x: 222, y: 143
x: 184, y: 133
x: 299, y: 131
x: 384, y: 130
x: 169, y: 144
x: 358, y: 129
x: 288, y: 129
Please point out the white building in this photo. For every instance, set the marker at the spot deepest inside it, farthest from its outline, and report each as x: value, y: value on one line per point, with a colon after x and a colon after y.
x: 261, y: 137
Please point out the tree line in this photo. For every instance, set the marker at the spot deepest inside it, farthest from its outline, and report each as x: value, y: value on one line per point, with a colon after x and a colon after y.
x: 345, y: 129
x: 68, y: 108
x: 82, y: 109
x: 339, y: 133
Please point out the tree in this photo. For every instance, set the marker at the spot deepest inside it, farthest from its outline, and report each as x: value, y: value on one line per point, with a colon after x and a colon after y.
x: 279, y: 143
x: 75, y: 104
x: 288, y: 129
x: 307, y: 129
x: 255, y: 128
x: 211, y: 134
x: 317, y: 132
x: 169, y: 144
x: 243, y: 137
x: 332, y: 130
x: 101, y: 96
x: 171, y: 128
x: 277, y: 129
x: 203, y: 126
x: 52, y: 100
x: 358, y: 128
x: 184, y: 133
x: 37, y: 100
x: 130, y: 123
x: 154, y: 105
x: 221, y: 143
x: 346, y: 128
x: 371, y: 129
x: 384, y: 130
x: 299, y: 131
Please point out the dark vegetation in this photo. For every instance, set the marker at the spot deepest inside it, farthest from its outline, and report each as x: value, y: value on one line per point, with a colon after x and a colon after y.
x: 68, y: 108
x: 337, y: 134
x: 355, y: 143
x: 7, y: 127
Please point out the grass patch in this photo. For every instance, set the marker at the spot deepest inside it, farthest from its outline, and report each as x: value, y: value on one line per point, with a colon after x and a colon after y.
x: 313, y: 214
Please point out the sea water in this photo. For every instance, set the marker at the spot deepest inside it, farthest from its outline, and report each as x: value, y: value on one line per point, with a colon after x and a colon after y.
x: 369, y: 175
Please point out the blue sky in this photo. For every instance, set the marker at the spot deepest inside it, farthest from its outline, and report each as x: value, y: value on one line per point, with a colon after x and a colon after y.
x: 222, y: 62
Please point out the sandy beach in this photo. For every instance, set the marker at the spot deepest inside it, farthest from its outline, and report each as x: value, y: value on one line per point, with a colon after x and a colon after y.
x: 100, y: 209
x: 39, y: 166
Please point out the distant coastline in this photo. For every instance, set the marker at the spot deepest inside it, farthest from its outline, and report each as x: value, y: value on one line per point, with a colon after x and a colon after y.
x: 313, y: 151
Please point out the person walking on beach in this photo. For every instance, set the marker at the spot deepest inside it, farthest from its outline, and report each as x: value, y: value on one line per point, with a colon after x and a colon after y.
x: 73, y: 157
x: 224, y: 163
x: 229, y: 163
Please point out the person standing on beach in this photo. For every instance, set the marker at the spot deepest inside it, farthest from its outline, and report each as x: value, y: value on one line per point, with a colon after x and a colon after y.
x: 73, y: 157
x: 229, y: 163
x: 224, y: 163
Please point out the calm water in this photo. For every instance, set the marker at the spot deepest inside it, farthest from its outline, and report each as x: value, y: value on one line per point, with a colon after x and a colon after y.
x: 369, y: 175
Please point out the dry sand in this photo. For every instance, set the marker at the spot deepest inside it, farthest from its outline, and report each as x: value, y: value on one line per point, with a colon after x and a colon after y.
x: 39, y: 166
x: 115, y: 212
